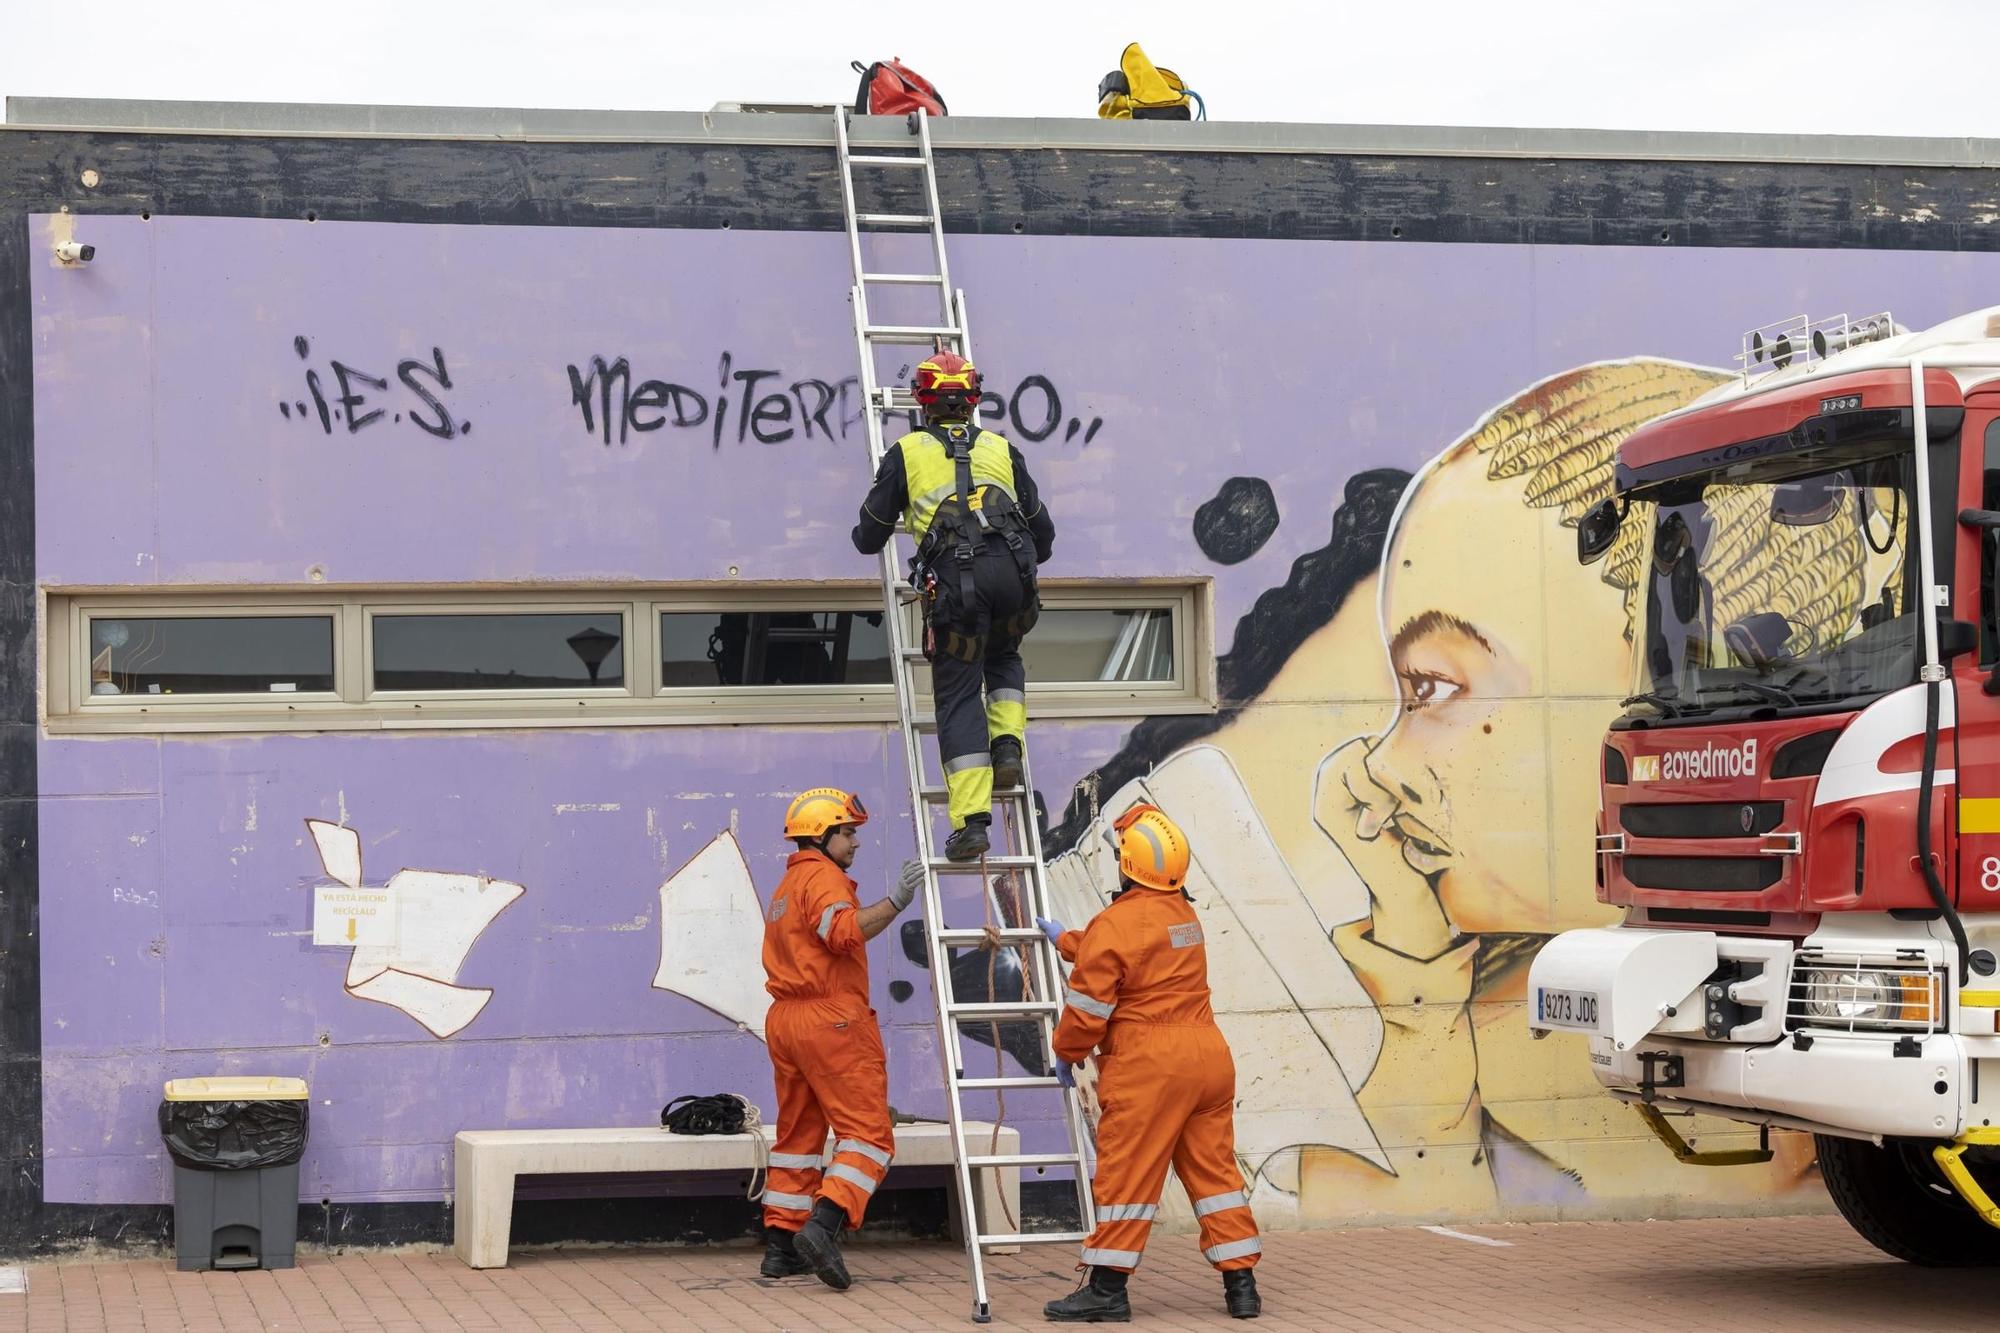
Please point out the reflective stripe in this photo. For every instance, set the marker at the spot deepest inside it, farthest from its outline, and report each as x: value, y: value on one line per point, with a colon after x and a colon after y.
x: 1126, y: 1212
x: 1159, y: 848
x: 1215, y: 1203
x: 977, y: 759
x: 826, y: 918
x: 1096, y: 1008
x: 1006, y: 697
x: 1235, y: 1249
x: 853, y: 1175
x: 802, y: 1202
x: 1112, y: 1258
x: 867, y: 1150
x: 796, y: 1161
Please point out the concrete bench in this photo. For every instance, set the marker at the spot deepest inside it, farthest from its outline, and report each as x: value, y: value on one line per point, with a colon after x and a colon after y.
x: 485, y: 1163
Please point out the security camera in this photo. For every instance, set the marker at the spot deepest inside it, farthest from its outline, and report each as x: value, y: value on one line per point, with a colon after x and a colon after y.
x: 76, y: 252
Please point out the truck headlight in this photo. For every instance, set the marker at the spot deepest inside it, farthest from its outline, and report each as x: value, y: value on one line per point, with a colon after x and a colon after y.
x: 1863, y: 997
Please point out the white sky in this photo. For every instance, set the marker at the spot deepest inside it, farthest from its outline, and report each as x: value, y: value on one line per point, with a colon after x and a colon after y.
x: 1899, y: 67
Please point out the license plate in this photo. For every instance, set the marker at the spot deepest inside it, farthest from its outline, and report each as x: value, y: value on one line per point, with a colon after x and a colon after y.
x: 1566, y: 1009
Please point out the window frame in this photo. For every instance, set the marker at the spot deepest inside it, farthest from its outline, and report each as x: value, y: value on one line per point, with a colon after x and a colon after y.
x: 68, y: 708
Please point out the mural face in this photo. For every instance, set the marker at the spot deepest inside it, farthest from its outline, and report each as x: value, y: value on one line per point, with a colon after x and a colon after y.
x: 1388, y: 811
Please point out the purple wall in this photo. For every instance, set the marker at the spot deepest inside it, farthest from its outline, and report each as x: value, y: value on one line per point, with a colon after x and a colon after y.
x: 178, y: 442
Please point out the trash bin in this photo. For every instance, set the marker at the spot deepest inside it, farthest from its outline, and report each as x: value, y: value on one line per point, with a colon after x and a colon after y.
x: 236, y: 1144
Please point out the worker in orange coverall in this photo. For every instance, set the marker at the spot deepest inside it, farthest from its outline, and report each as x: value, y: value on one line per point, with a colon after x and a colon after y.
x: 1138, y: 995
x: 826, y: 1049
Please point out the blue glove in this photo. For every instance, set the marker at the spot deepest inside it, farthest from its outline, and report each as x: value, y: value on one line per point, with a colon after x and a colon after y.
x: 1052, y: 929
x: 1066, y: 1073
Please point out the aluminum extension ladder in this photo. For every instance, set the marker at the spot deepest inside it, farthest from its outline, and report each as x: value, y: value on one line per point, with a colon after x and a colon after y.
x: 1023, y: 859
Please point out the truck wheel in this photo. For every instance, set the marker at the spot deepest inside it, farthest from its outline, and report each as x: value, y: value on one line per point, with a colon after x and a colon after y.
x: 1891, y: 1195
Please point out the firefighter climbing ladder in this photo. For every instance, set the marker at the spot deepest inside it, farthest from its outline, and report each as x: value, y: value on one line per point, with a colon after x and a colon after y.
x: 1023, y: 861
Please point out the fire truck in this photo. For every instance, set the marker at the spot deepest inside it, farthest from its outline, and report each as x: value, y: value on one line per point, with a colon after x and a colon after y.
x: 1800, y: 801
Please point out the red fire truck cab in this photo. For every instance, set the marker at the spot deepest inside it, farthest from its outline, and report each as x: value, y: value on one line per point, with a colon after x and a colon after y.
x: 1800, y: 803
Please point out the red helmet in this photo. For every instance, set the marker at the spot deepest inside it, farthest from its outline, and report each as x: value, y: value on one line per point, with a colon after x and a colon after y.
x: 946, y: 384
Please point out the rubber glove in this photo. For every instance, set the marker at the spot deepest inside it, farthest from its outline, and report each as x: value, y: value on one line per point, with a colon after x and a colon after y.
x: 1066, y: 1073
x: 1052, y: 929
x: 907, y: 883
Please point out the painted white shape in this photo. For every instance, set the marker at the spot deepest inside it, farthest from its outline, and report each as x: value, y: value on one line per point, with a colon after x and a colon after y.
x: 440, y: 914
x: 342, y: 915
x: 1468, y: 1236
x: 1854, y: 765
x: 442, y: 1008
x: 339, y: 851
x: 1292, y: 1009
x: 13, y: 1280
x: 711, y: 926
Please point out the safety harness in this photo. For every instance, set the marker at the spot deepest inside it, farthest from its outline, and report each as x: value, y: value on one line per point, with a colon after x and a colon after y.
x: 959, y: 529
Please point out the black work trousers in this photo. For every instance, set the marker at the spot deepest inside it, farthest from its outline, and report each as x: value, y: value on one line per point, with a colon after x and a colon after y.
x: 980, y: 700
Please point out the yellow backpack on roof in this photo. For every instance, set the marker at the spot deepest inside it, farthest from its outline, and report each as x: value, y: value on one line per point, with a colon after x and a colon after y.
x: 1140, y: 90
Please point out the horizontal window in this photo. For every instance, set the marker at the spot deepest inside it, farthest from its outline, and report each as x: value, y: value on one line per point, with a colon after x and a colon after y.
x: 210, y: 655
x: 705, y: 649
x: 517, y: 651
x: 153, y: 660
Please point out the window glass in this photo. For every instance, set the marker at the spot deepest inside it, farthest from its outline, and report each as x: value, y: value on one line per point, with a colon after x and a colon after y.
x: 706, y: 649
x: 1077, y: 645
x: 185, y: 655
x: 508, y: 651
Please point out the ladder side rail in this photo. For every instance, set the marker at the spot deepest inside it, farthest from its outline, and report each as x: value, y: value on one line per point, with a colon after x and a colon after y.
x: 1049, y: 961
x: 945, y: 290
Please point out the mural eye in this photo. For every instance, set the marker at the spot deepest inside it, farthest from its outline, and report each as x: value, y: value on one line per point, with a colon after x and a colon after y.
x: 1426, y: 690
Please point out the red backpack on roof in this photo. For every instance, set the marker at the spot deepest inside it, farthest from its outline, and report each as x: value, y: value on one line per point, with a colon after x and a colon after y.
x: 891, y: 88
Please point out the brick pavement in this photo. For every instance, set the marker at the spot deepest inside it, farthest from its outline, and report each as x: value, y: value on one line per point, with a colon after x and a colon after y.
x: 1772, y: 1274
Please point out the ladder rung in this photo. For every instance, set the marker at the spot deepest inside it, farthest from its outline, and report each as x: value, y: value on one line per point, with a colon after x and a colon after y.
x: 1007, y: 1083
x: 884, y: 160
x: 977, y: 1161
x: 944, y: 867
x: 940, y: 795
x: 907, y: 279
x: 965, y: 935
x: 1035, y: 1238
x: 1006, y: 1009
x: 899, y: 334
x: 894, y: 219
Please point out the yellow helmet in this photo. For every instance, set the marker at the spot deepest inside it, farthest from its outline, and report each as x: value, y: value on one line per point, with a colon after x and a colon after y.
x: 1152, y: 850
x: 813, y: 812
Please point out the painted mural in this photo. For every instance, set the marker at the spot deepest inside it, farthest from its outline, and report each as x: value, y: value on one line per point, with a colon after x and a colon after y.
x: 1389, y: 806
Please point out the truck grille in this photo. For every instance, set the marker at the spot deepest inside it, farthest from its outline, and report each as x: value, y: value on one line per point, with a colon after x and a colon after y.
x: 1706, y: 819
x: 1704, y: 874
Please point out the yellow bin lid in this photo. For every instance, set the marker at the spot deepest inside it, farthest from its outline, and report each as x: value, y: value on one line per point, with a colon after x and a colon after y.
x: 240, y: 1089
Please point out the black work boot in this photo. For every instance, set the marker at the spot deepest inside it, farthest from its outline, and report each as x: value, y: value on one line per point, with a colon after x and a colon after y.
x: 970, y: 842
x: 781, y: 1255
x: 1239, y: 1293
x: 1006, y: 763
x: 819, y: 1244
x: 1100, y: 1300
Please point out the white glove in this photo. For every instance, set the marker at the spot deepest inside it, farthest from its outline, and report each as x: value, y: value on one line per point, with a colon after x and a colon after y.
x: 907, y: 884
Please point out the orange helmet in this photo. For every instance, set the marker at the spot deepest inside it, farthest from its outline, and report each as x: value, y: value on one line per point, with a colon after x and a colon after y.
x: 814, y: 812
x: 1152, y: 850
x: 946, y: 385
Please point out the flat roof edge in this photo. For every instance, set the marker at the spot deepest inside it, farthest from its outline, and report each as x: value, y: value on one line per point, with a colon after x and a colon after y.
x: 513, y: 124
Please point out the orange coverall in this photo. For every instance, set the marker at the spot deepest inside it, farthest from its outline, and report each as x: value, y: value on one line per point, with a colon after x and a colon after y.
x: 825, y: 1049
x: 1138, y: 992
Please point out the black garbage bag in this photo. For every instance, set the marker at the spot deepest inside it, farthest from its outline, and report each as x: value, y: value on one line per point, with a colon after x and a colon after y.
x: 234, y: 1136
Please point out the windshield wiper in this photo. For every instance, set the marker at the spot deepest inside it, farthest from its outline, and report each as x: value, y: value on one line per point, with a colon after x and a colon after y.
x: 1770, y: 693
x: 1666, y: 703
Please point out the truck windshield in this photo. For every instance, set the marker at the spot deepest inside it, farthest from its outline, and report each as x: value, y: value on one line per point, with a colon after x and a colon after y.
x: 1786, y: 583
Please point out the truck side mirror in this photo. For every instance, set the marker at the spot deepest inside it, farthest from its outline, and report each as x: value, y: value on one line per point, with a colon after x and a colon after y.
x: 1598, y: 529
